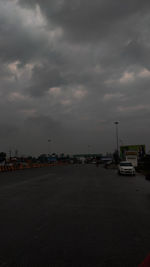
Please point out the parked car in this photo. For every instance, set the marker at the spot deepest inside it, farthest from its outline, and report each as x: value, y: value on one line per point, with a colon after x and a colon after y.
x: 126, y: 167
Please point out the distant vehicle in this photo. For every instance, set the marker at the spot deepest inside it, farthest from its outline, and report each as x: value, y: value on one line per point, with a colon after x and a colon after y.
x: 109, y: 164
x: 93, y: 161
x: 82, y: 160
x: 105, y: 159
x: 132, y: 156
x: 126, y: 167
x: 9, y: 164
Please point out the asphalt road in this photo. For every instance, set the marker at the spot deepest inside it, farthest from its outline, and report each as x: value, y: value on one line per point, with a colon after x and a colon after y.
x: 73, y: 216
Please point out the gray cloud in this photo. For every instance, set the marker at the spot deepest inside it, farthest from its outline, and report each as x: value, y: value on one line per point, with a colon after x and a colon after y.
x: 19, y: 39
x: 89, y: 21
x: 68, y: 70
x: 8, y: 130
x: 45, y: 77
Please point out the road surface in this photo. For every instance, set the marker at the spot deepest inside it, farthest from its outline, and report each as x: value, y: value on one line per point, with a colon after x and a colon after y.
x: 73, y: 216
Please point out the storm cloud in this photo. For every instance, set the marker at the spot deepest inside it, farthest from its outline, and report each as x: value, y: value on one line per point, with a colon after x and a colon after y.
x: 69, y: 69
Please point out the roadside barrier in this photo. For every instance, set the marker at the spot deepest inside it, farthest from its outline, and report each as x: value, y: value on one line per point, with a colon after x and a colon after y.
x: 12, y: 168
x: 15, y: 167
x: 3, y: 168
x: 8, y: 168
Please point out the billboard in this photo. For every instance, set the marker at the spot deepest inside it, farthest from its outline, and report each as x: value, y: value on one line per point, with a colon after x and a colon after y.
x: 140, y: 149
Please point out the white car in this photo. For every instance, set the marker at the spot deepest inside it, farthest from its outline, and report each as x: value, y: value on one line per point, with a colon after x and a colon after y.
x: 126, y: 167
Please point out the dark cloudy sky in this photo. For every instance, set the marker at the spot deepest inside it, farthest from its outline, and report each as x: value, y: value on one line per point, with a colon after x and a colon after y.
x: 69, y: 69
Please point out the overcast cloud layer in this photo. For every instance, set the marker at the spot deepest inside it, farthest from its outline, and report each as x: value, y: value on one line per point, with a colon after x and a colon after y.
x: 68, y: 70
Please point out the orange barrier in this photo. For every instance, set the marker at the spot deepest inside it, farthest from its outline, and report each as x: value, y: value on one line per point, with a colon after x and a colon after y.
x: 3, y: 168
x: 12, y: 168
x: 7, y: 168
x: 28, y: 166
x: 15, y: 167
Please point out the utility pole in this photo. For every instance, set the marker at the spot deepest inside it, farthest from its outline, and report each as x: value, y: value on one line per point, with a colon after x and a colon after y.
x: 49, y: 141
x: 117, y: 156
x: 16, y: 153
x: 117, y: 143
x: 10, y: 153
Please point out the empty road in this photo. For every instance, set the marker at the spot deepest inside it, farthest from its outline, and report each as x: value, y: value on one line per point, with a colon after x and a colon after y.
x: 76, y: 215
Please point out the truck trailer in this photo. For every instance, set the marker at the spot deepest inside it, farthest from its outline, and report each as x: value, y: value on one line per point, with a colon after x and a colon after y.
x: 132, y: 156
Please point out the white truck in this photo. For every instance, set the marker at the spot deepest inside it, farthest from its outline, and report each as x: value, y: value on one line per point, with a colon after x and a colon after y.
x: 132, y: 156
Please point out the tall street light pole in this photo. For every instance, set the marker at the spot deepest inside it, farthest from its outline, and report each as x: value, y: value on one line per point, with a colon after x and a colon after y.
x: 116, y: 123
x: 49, y: 141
